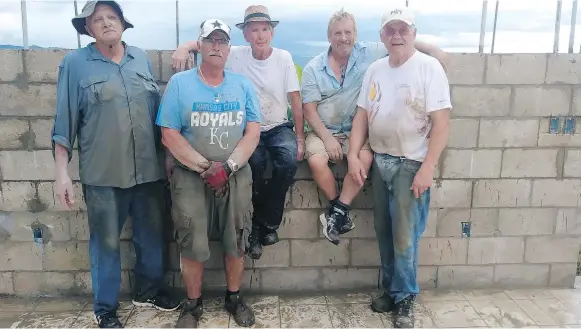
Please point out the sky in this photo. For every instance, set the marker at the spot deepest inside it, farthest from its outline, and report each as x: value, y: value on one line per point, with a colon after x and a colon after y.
x: 524, y: 26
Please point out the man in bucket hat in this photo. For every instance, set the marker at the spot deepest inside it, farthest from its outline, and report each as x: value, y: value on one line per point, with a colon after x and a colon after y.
x: 210, y: 119
x: 273, y: 73
x: 108, y: 98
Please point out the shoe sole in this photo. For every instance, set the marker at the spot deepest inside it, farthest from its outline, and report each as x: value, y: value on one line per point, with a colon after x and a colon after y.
x: 148, y: 304
x: 375, y: 309
x: 347, y: 231
x: 323, y: 221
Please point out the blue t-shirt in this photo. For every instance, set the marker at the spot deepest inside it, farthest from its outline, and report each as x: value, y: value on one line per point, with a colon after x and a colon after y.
x: 212, y: 119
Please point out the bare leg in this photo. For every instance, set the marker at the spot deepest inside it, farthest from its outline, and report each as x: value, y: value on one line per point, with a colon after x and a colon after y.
x: 323, y: 175
x: 350, y: 187
x: 234, y: 271
x: 192, y: 272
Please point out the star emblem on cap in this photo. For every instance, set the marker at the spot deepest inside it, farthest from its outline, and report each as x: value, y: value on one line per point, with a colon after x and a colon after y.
x: 216, y: 24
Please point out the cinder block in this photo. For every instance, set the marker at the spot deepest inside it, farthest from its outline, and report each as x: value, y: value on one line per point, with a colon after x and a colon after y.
x: 558, y: 140
x: 17, y: 196
x: 568, y: 221
x: 299, y: 224
x: 83, y: 282
x: 466, y: 69
x: 508, y: 133
x: 277, y: 255
x: 6, y: 283
x: 552, y: 249
x: 166, y: 65
x: 319, y: 253
x: 41, y: 129
x: 427, y: 276
x: 350, y: 278
x: 541, y: 101
x: 563, y: 275
x: 521, y: 275
x: 451, y: 194
x: 480, y: 101
x: 576, y: 101
x: 79, y: 225
x: 364, y: 224
x: 450, y: 222
x: 66, y: 256
x: 47, y: 196
x: 484, y: 222
x: 13, y: 134
x: 154, y: 59
x: 496, y: 250
x: 523, y: 221
x: 55, y: 225
x: 572, y: 166
x: 216, y: 280
x: 21, y: 256
x: 290, y: 279
x: 442, y: 251
x: 12, y: 65
x: 365, y: 253
x: 25, y: 165
x: 529, y: 163
x: 46, y: 283
x: 363, y: 200
x: 305, y: 194
x: 556, y: 193
x: 564, y: 69
x: 463, y: 133
x: 466, y: 277
x: 472, y: 163
x: 127, y: 255
x: 42, y: 65
x: 216, y: 260
x: 502, y: 193
x: 30, y: 101
x: 516, y: 69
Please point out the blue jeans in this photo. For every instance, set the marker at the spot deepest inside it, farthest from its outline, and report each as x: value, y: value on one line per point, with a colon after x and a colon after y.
x: 400, y: 220
x: 107, y: 209
x: 268, y: 198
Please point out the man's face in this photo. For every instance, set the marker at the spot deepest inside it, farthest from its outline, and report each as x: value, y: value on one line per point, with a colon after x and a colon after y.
x: 259, y: 34
x: 342, y: 36
x: 398, y: 37
x: 215, y: 48
x: 105, y: 25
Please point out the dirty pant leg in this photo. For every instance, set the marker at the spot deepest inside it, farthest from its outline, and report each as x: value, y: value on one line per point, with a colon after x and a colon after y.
x: 147, y: 213
x: 268, y: 199
x: 107, y: 209
x: 400, y: 221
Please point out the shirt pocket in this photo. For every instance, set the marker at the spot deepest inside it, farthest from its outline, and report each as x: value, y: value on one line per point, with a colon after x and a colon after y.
x: 146, y: 89
x: 95, y: 89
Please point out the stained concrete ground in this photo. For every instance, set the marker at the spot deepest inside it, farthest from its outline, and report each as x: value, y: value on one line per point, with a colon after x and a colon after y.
x: 475, y: 308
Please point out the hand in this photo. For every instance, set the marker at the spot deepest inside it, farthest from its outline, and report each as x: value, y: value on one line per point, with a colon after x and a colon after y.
x: 181, y: 60
x: 356, y: 170
x: 64, y: 190
x: 301, y: 149
x: 443, y: 58
x: 422, y: 180
x: 333, y: 148
x: 217, y: 175
x: 221, y: 192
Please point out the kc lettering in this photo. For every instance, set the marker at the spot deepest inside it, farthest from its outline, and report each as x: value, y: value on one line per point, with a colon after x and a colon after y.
x: 216, y: 137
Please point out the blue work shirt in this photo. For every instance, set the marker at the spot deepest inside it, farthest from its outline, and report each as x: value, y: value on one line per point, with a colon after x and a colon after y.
x: 336, y: 102
x: 111, y: 108
x: 211, y: 119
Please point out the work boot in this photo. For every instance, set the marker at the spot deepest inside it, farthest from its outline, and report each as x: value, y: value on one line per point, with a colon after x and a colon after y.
x: 255, y: 248
x: 268, y: 237
x: 404, y: 313
x: 191, y: 313
x: 242, y: 314
x: 162, y: 301
x: 108, y: 320
x: 383, y: 303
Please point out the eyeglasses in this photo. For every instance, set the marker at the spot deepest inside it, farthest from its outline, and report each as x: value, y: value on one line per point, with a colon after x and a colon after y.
x: 390, y: 31
x: 219, y: 41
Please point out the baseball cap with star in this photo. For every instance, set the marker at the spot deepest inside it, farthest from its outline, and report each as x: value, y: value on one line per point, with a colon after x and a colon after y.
x: 210, y: 25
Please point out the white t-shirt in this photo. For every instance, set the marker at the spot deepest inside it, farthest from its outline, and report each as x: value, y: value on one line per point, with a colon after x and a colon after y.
x: 273, y: 78
x: 398, y: 102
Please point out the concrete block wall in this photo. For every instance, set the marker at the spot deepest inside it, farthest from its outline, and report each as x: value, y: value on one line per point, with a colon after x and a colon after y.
x: 516, y: 184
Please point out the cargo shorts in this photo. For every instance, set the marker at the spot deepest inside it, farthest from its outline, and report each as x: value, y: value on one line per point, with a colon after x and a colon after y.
x: 199, y: 216
x: 314, y: 145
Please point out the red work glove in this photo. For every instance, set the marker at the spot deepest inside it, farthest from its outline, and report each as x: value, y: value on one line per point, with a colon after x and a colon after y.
x: 217, y: 175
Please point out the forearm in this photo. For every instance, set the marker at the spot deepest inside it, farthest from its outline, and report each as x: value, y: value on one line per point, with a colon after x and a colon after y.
x: 189, y: 45
x: 312, y: 117
x: 298, y: 117
x: 358, y: 133
x: 426, y: 48
x: 245, y: 148
x: 61, y: 159
x: 181, y: 150
x: 438, y: 140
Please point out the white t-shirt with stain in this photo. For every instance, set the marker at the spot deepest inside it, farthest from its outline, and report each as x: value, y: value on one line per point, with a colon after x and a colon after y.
x: 273, y: 78
x: 398, y: 102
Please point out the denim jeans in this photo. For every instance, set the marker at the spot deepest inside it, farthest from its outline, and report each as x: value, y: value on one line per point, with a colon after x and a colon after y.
x: 400, y: 220
x: 268, y: 198
x: 107, y: 209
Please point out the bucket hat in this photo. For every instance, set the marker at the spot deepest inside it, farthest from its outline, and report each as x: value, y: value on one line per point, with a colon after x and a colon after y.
x: 256, y: 13
x: 79, y: 21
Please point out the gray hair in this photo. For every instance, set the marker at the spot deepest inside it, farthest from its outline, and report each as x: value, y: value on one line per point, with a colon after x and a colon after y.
x: 338, y: 16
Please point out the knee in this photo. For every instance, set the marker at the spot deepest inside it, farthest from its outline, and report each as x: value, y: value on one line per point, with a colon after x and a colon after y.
x: 285, y: 164
x: 257, y: 161
x: 318, y: 162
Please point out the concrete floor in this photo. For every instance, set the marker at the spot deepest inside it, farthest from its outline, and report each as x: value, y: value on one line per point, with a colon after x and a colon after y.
x: 510, y: 308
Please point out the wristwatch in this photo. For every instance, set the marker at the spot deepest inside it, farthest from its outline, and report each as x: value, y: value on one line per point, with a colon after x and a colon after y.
x: 232, y: 165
